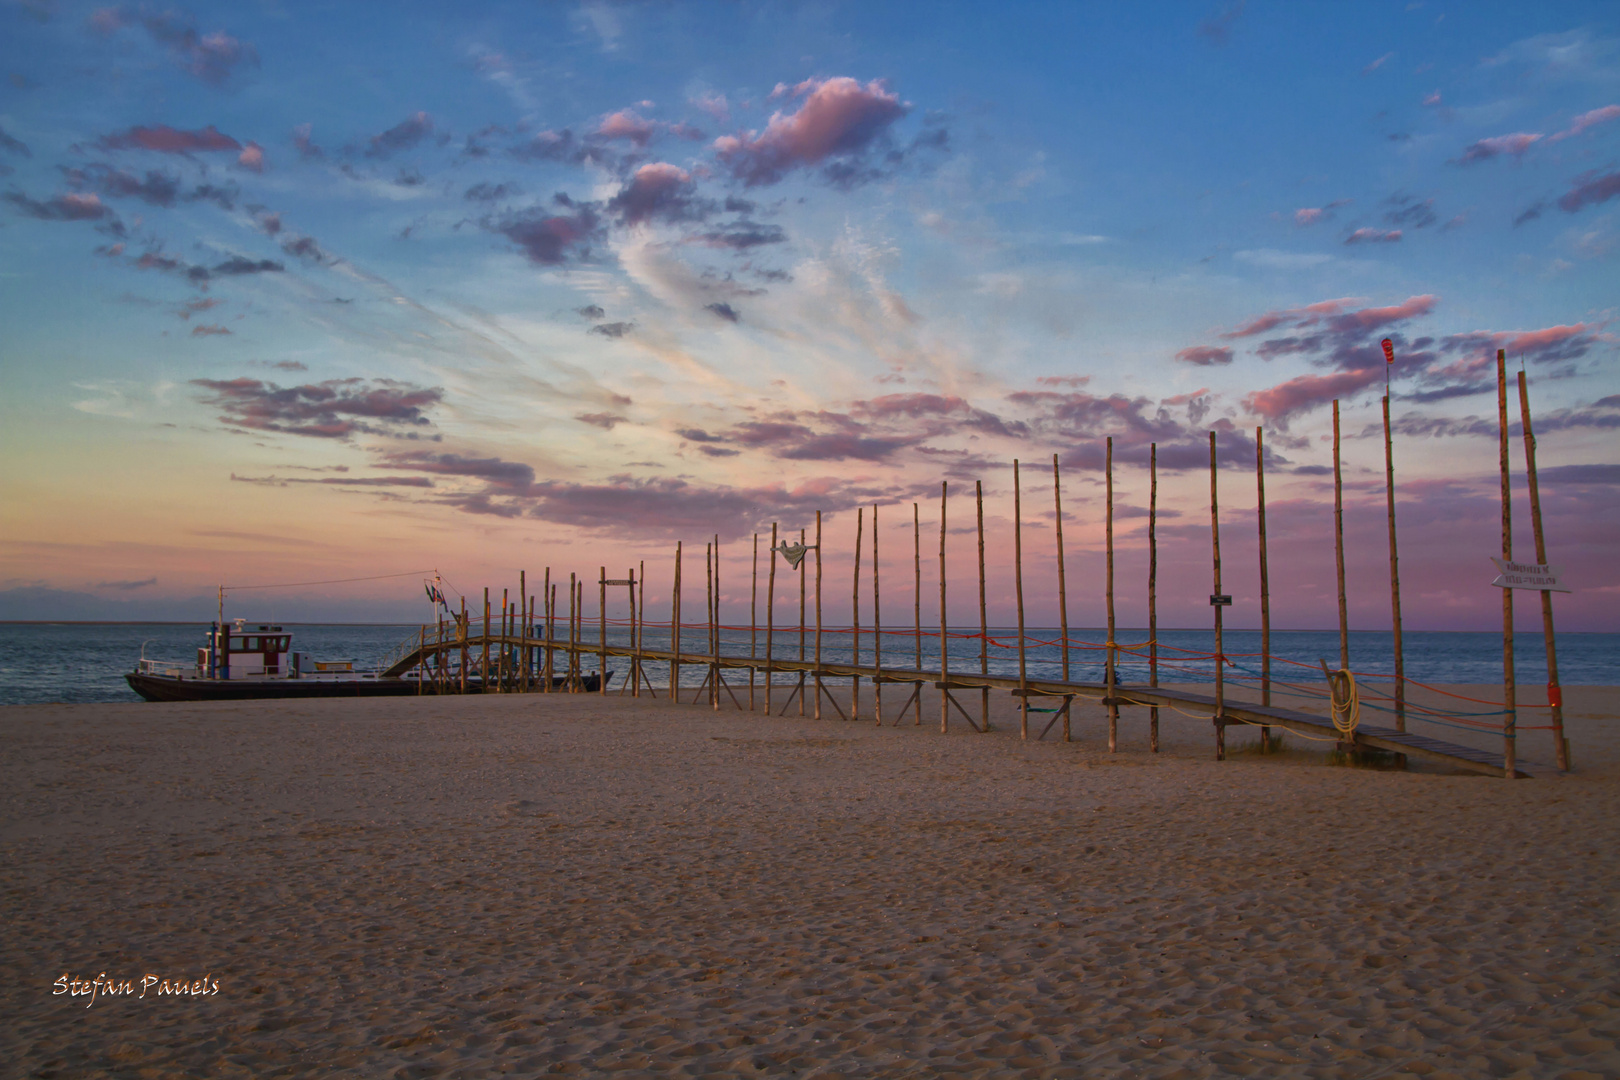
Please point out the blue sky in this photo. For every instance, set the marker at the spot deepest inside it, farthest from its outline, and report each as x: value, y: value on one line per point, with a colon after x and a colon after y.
x: 293, y: 291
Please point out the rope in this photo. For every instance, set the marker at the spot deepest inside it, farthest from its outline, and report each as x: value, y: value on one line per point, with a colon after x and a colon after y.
x: 1346, y: 704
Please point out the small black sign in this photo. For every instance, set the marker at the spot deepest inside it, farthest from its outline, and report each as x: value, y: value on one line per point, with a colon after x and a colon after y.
x: 1220, y: 601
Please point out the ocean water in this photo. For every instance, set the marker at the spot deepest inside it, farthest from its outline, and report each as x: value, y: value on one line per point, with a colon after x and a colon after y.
x: 86, y: 662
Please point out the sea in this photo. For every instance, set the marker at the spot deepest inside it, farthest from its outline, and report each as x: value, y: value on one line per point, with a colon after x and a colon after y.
x: 86, y: 662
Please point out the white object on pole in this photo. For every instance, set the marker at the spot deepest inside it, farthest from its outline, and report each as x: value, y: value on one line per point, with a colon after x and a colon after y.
x: 1519, y: 575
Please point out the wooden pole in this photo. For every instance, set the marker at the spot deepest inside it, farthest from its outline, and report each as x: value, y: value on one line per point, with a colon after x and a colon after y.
x: 1220, y: 658
x: 1153, y: 590
x: 575, y: 683
x: 635, y: 635
x: 984, y: 620
x: 708, y: 619
x: 1265, y: 578
x: 715, y: 682
x: 483, y: 663
x: 421, y: 657
x: 641, y: 604
x: 877, y: 626
x: 675, y: 631
x: 465, y: 659
x: 944, y: 633
x: 601, y: 611
x: 1394, y: 574
x: 916, y: 596
x: 551, y: 631
x: 1063, y: 584
x: 1338, y: 543
x: 1113, y: 647
x: 753, y: 623
x: 803, y: 582
x: 523, y: 636
x: 1018, y: 581
x: 770, y: 621
x: 1510, y: 703
x: 855, y: 618
x: 548, y: 596
x: 1555, y: 693
x: 818, y: 615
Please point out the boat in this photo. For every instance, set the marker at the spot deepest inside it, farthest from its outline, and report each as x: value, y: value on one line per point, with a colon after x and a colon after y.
x: 242, y: 662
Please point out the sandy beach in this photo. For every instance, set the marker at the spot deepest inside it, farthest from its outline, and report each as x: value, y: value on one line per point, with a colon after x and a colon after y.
x: 556, y: 884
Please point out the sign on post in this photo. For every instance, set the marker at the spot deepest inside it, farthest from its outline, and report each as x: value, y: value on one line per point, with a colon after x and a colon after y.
x: 1519, y: 575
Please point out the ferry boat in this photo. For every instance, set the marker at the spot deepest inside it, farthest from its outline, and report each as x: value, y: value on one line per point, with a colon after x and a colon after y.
x: 242, y: 662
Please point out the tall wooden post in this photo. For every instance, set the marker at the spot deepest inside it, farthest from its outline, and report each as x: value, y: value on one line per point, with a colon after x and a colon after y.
x: 1265, y: 582
x: 753, y: 624
x: 462, y: 629
x: 803, y: 580
x: 1394, y: 574
x: 483, y: 663
x: 1113, y: 647
x: 548, y: 597
x: 641, y: 604
x: 675, y: 630
x: 1018, y: 582
x: 601, y: 611
x: 944, y: 629
x: 818, y: 615
x: 877, y: 627
x: 855, y: 618
x: 708, y: 620
x: 714, y: 617
x: 635, y: 635
x: 575, y: 667
x: 984, y: 621
x: 1510, y: 701
x: 1063, y: 583
x: 770, y: 621
x: 1555, y: 693
x: 1220, y: 654
x: 523, y: 635
x: 1153, y: 590
x: 1338, y: 542
x: 551, y: 631
x: 916, y: 596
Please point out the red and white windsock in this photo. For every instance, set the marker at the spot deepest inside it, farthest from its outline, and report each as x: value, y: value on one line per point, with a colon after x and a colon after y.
x: 1389, y: 351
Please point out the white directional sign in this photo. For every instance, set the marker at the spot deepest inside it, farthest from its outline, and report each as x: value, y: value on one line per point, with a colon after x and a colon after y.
x: 1520, y: 575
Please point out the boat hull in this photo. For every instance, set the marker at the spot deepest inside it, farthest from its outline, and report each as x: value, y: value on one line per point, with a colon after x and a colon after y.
x: 158, y: 688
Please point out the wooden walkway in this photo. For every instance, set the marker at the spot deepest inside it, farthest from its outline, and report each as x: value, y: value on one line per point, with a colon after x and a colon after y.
x: 1233, y: 714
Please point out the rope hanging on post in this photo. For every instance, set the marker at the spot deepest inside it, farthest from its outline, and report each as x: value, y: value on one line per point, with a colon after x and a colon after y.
x: 1346, y: 702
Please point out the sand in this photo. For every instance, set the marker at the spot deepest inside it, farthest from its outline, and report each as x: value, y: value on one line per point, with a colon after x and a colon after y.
x: 552, y: 884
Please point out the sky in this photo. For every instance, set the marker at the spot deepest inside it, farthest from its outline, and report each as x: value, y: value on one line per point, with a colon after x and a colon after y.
x: 298, y: 293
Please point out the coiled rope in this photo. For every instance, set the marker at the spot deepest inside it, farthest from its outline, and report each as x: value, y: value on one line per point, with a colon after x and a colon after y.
x: 1346, y: 702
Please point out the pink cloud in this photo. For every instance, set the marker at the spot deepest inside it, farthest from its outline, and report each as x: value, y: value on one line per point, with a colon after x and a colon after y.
x: 625, y: 124
x: 1374, y: 236
x: 1432, y: 99
x: 252, y: 157
x: 167, y: 140
x: 208, y: 330
x: 1309, y: 215
x: 1205, y: 355
x: 1485, y: 149
x: 714, y: 104
x: 211, y: 57
x: 839, y: 117
x: 1306, y: 392
x: 1590, y: 190
x: 1587, y: 120
x: 1369, y: 319
x: 1538, y: 346
x: 72, y: 206
x: 658, y: 190
x: 1301, y: 316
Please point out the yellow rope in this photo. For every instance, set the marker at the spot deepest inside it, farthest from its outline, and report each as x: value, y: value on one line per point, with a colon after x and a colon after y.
x: 1346, y: 702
